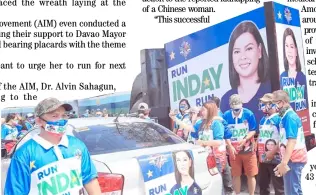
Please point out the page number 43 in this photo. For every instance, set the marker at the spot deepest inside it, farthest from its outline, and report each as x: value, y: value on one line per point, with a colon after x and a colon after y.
x: 309, y: 176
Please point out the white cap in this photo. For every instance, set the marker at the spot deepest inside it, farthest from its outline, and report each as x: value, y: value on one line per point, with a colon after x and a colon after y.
x: 143, y: 106
x: 29, y: 115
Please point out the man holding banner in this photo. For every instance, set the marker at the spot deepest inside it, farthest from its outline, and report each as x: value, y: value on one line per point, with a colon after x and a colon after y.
x: 268, y: 149
x: 242, y: 123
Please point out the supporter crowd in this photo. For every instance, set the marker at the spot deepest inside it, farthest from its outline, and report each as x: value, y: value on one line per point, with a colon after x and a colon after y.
x: 270, y: 150
x: 275, y: 151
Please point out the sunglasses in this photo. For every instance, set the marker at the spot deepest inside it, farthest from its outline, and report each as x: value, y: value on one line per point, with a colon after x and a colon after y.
x: 265, y: 105
x: 262, y: 106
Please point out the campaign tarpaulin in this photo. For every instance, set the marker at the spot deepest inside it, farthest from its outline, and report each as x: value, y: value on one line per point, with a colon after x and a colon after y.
x: 225, y: 59
x: 291, y: 59
x: 163, y: 173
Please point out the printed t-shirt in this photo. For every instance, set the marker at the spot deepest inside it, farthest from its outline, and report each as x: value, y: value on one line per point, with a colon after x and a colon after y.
x: 269, y: 137
x: 8, y: 132
x: 214, y: 132
x: 38, y: 167
x: 220, y: 114
x: 184, y: 118
x: 240, y: 126
x: 291, y: 128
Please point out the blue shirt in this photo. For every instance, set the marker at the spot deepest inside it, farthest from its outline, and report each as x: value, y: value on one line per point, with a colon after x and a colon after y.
x: 217, y: 127
x: 38, y: 165
x: 8, y: 132
x: 245, y: 115
x: 292, y: 128
x: 227, y: 132
x: 220, y: 114
x: 291, y: 123
x: 181, y: 117
x: 274, y: 119
x: 252, y: 104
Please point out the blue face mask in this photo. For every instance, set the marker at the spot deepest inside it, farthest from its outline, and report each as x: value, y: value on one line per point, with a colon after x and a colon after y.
x: 236, y: 110
x: 183, y: 107
x: 31, y: 120
x: 274, y: 106
x: 56, y: 127
x: 262, y: 106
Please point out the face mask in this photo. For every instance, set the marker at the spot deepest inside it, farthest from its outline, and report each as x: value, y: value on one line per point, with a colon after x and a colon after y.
x: 265, y: 108
x: 57, y: 127
x: 183, y: 107
x: 262, y: 107
x: 31, y: 120
x: 274, y: 106
x: 99, y: 115
x: 236, y: 110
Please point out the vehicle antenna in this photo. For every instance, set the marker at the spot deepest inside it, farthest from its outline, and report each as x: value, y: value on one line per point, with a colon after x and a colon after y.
x: 116, y: 119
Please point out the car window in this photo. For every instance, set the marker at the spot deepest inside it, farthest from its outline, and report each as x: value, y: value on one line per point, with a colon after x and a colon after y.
x: 102, y: 139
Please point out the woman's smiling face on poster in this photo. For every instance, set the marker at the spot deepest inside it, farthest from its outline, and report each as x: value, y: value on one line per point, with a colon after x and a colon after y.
x: 270, y: 145
x: 183, y: 163
x: 246, y: 55
x: 290, y: 50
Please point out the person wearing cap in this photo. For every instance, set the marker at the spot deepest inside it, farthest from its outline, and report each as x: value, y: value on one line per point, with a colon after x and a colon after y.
x: 30, y: 121
x: 143, y: 111
x: 53, y: 157
x: 242, y: 123
x: 292, y: 137
x: 268, y: 149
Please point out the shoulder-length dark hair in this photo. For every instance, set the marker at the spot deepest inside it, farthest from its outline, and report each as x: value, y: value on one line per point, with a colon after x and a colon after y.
x: 176, y: 171
x: 263, y: 67
x: 10, y: 117
x: 289, y: 32
x: 282, y: 145
x: 269, y: 140
x: 187, y: 102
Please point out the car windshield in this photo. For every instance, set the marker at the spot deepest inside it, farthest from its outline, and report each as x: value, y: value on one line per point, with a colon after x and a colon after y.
x: 102, y: 139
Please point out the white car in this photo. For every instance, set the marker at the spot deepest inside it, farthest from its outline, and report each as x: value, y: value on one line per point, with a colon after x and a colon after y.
x: 139, y: 157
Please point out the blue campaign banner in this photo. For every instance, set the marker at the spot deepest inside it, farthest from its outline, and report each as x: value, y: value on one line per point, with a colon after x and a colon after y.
x: 222, y: 60
x: 154, y: 166
x: 209, y: 38
x: 163, y: 173
x: 291, y: 60
x: 286, y: 15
